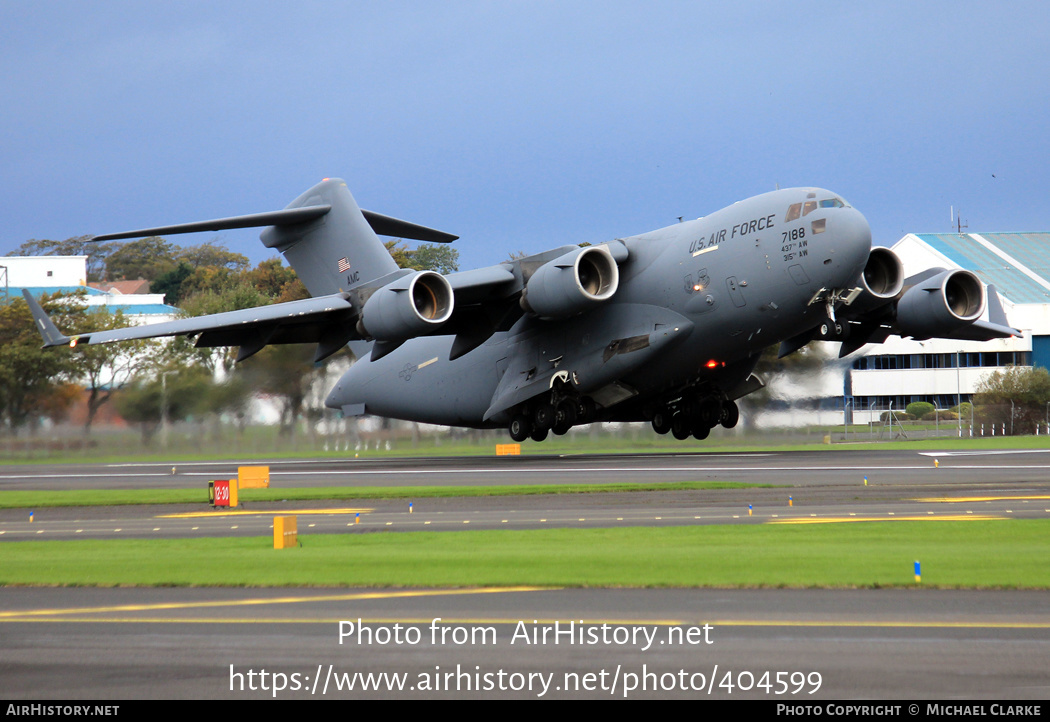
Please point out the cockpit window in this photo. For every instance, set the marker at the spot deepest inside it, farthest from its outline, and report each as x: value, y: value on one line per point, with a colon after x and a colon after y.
x: 794, y: 211
x: 832, y: 203
x: 809, y: 207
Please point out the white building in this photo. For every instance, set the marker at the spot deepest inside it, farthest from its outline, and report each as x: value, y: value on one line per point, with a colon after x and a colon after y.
x: 945, y: 372
x: 68, y: 274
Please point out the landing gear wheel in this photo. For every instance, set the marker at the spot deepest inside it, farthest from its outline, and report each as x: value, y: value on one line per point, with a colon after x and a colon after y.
x: 710, y: 410
x: 543, y: 417
x: 585, y: 410
x: 833, y: 331
x: 701, y: 432
x: 681, y: 427
x: 564, y: 417
x: 661, y: 422
x: 520, y: 428
x: 730, y: 414
x: 538, y: 434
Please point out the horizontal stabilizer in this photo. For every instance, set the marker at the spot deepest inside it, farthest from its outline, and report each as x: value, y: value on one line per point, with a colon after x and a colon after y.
x: 397, y: 228
x: 382, y: 225
x: 287, y: 217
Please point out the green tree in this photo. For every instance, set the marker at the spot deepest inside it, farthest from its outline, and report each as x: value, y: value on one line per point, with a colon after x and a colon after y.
x: 34, y: 380
x: 175, y: 394
x: 104, y: 368
x: 272, y: 278
x: 147, y: 258
x: 442, y: 258
x: 170, y: 283
x: 181, y: 351
x: 285, y: 371
x: 425, y: 257
x: 1016, y: 397
x: 918, y: 409
x: 214, y: 254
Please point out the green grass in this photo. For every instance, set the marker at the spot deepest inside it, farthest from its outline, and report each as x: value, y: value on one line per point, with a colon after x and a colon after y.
x: 122, y: 497
x: 980, y: 554
x: 265, y: 445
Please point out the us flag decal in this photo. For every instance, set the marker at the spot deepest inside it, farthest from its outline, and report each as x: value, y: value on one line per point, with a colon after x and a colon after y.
x: 344, y: 265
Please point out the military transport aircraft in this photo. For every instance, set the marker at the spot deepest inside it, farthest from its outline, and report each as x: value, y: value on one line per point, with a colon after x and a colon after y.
x: 664, y: 327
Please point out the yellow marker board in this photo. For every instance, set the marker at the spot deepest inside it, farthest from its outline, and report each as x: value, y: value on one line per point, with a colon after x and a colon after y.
x: 285, y: 532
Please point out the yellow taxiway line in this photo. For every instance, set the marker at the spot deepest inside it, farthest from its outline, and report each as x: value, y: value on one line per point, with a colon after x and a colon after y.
x: 844, y: 519
x: 356, y: 596
x: 972, y: 499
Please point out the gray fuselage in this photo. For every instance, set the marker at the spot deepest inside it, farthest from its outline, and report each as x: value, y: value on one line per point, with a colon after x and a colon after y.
x: 697, y: 301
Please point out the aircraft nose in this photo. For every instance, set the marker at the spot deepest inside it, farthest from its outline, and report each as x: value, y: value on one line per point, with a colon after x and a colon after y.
x: 856, y: 234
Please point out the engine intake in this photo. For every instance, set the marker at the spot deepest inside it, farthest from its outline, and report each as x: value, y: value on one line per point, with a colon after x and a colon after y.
x: 411, y: 306
x: 572, y: 283
x: 941, y: 304
x: 880, y: 281
x: 883, y: 275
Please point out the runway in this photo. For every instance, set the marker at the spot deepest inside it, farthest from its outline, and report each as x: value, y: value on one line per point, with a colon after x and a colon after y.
x: 795, y: 646
x: 804, y: 487
x: 792, y: 646
x: 792, y: 467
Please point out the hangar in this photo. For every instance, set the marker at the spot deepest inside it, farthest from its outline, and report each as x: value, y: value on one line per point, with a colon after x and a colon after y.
x: 944, y: 372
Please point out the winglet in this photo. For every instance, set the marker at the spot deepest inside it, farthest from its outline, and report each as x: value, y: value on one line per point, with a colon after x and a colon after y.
x: 52, y: 336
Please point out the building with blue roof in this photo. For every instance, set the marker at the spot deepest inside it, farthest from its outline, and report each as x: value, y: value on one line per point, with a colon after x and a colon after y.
x: 67, y: 274
x: 944, y: 371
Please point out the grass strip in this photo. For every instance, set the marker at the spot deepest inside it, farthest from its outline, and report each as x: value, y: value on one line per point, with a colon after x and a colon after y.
x: 122, y: 497
x: 970, y: 554
x: 647, y: 443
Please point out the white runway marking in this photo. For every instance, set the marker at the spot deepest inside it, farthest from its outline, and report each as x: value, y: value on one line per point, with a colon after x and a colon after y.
x: 985, y: 453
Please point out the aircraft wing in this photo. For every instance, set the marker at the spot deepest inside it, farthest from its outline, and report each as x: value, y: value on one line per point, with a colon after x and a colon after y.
x: 923, y: 311
x: 327, y: 321
x: 486, y: 300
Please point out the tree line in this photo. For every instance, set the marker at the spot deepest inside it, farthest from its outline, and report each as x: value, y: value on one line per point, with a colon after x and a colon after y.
x: 152, y: 380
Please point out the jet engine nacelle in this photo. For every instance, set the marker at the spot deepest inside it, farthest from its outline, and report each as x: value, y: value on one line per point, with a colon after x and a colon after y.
x: 940, y: 304
x: 572, y: 283
x: 411, y: 306
x: 881, y: 280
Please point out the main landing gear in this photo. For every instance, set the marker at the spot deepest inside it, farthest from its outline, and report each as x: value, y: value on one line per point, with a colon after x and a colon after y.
x: 551, y: 412
x: 696, y: 417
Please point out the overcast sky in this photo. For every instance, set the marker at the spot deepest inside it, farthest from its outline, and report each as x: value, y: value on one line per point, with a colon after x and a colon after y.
x: 520, y: 125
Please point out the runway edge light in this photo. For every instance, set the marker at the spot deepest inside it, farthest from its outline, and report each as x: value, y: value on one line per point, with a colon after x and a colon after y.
x: 918, y: 573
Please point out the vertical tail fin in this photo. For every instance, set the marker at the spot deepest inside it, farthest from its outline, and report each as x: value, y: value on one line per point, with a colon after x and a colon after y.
x: 336, y: 251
